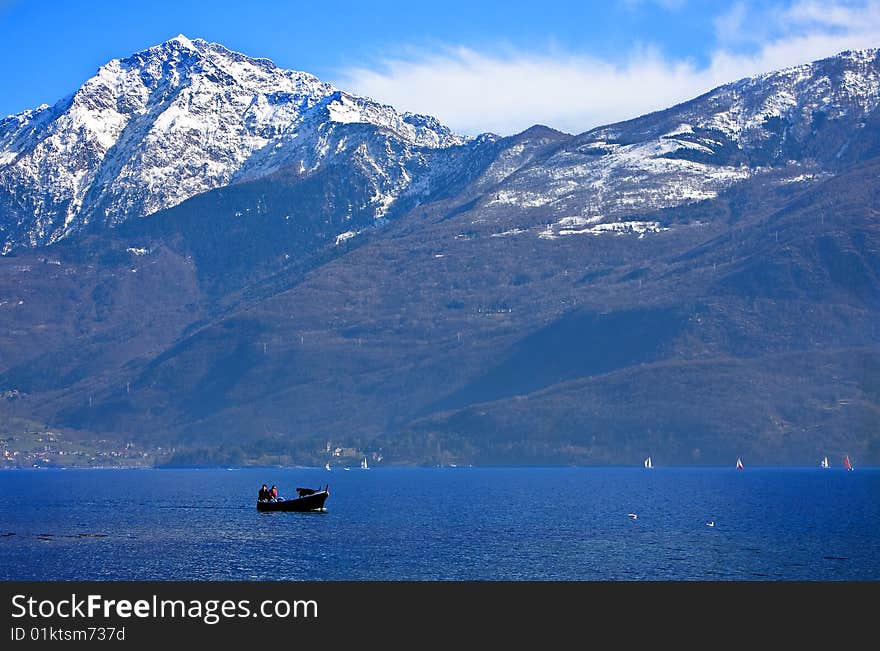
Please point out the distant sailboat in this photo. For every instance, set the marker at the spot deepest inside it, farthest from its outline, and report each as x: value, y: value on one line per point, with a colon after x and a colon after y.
x: 824, y: 463
x: 364, y: 465
x: 648, y: 463
x: 327, y: 466
x: 847, y: 463
x: 739, y: 464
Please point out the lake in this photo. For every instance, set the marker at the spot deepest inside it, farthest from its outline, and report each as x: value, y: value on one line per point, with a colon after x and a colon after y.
x: 443, y: 524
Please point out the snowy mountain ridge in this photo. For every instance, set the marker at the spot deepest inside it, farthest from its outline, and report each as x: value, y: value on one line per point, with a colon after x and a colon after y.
x: 176, y: 120
x: 796, y: 124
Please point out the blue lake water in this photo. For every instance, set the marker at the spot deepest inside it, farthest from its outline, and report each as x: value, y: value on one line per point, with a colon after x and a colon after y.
x: 444, y: 524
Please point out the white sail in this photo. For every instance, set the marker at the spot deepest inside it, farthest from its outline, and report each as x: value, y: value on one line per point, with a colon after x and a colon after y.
x: 364, y: 464
x: 739, y: 464
x: 825, y: 463
x: 648, y: 463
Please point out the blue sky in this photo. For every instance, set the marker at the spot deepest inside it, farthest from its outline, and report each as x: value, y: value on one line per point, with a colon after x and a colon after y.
x: 478, y: 66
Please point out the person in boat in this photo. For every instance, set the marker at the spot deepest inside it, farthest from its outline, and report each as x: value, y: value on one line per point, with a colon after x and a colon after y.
x: 263, y: 494
x: 273, y: 493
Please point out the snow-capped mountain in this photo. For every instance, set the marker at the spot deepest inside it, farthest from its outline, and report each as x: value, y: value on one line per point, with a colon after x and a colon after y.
x: 147, y: 132
x: 705, y: 277
x: 799, y: 124
x: 185, y: 117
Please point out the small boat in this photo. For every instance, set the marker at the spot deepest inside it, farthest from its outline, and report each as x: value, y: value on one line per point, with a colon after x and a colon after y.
x: 739, y: 464
x: 710, y: 523
x: 846, y: 462
x: 364, y: 465
x: 632, y: 516
x: 327, y: 466
x: 309, y: 500
x: 648, y: 463
x: 824, y: 463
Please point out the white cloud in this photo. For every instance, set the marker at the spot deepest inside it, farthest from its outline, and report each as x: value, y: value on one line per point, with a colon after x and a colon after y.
x: 473, y: 91
x: 505, y: 90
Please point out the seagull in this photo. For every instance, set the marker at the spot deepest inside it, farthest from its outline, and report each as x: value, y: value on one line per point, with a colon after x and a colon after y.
x: 632, y: 516
x: 710, y: 523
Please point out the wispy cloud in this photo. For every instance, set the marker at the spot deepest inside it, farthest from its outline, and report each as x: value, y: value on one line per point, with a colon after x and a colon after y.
x: 506, y: 90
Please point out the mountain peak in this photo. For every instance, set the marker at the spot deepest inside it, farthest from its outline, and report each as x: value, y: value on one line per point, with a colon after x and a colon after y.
x: 183, y: 41
x: 180, y: 118
x: 543, y: 131
x: 178, y: 45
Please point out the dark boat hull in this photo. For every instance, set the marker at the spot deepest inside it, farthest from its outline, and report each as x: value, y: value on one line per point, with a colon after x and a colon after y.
x: 313, y: 502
